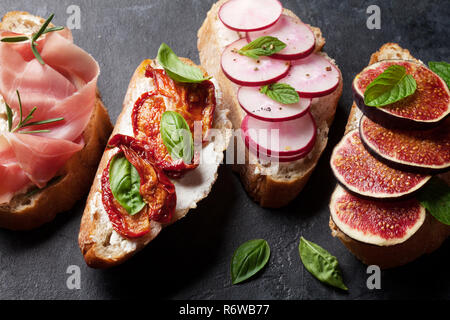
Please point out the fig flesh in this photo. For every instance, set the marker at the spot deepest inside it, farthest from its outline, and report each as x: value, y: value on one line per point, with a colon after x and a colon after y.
x: 421, y: 151
x: 426, y: 108
x: 374, y: 222
x: 361, y: 173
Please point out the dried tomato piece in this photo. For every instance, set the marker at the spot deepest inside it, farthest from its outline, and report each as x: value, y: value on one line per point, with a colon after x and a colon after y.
x: 195, y: 102
x: 128, y: 226
x: 156, y: 190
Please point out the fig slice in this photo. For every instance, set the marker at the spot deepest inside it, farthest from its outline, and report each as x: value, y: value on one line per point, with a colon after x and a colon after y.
x: 361, y: 173
x: 421, y: 151
x: 426, y: 108
x: 374, y: 222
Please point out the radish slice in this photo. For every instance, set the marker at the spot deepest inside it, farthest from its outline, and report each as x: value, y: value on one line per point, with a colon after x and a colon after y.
x: 264, y: 157
x: 280, y: 139
x: 260, y: 106
x: 250, y: 15
x: 298, y: 37
x: 314, y: 76
x: 246, y: 71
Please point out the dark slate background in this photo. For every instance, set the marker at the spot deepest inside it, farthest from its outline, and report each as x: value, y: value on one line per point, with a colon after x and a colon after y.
x: 191, y: 259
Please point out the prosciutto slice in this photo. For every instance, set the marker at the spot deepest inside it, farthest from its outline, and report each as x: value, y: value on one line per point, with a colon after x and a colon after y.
x: 64, y: 87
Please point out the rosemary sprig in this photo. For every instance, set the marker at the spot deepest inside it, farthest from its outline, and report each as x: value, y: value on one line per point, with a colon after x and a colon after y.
x: 35, y: 37
x: 23, y: 123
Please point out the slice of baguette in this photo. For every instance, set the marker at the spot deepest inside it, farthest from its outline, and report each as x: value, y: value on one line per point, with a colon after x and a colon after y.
x: 101, y: 245
x: 275, y: 185
x: 32, y: 208
x: 428, y: 237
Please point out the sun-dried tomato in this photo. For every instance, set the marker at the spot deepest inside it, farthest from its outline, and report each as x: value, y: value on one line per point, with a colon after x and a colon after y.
x: 156, y: 189
x: 195, y: 102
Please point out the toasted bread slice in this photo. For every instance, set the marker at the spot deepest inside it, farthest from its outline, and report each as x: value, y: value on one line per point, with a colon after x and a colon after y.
x: 35, y: 207
x: 101, y: 245
x: 427, y: 238
x: 273, y: 186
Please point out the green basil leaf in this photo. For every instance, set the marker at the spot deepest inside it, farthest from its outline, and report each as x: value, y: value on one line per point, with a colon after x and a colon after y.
x: 177, y: 136
x: 125, y: 184
x: 320, y: 263
x: 176, y: 69
x: 389, y: 87
x: 435, y: 197
x: 281, y: 92
x: 442, y: 69
x: 249, y: 259
x: 263, y: 46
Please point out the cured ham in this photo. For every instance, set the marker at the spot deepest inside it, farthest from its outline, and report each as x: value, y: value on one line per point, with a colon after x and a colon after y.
x: 65, y: 87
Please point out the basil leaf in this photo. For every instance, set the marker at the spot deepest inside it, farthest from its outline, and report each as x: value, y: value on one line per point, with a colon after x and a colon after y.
x: 263, y: 46
x: 249, y: 259
x: 389, y: 87
x: 320, y: 263
x: 125, y: 184
x: 435, y: 197
x: 281, y: 92
x: 177, y: 136
x: 442, y: 69
x: 176, y: 69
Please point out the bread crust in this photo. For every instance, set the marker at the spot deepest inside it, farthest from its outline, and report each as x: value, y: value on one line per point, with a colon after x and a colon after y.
x: 427, y: 238
x: 269, y: 190
x: 94, y: 236
x: 25, y: 212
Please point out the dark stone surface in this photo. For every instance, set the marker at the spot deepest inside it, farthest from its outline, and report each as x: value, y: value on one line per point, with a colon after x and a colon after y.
x: 191, y: 259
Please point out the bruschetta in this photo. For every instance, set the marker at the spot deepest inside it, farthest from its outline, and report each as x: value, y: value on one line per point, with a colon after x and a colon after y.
x: 143, y: 184
x: 258, y: 50
x: 53, y: 123
x: 378, y: 215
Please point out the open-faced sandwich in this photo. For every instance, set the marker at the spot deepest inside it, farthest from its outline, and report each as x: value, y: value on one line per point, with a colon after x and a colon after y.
x: 388, y: 208
x: 162, y: 158
x: 53, y: 125
x: 281, y: 89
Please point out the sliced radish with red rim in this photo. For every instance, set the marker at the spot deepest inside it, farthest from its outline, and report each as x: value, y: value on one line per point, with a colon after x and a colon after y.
x: 280, y: 139
x: 314, y: 76
x: 250, y: 15
x: 264, y: 157
x: 246, y: 71
x: 260, y: 106
x: 299, y: 38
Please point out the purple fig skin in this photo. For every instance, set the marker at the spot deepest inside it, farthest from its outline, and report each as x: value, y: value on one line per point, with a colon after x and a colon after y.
x: 389, y: 120
x: 396, y: 165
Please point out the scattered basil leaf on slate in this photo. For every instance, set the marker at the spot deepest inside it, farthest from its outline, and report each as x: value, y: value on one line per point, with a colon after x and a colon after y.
x: 177, y: 136
x: 125, y: 184
x: 320, y: 263
x: 442, y: 69
x: 249, y: 259
x: 281, y: 92
x: 263, y: 46
x: 177, y: 69
x: 393, y: 85
x: 435, y: 197
x: 35, y: 37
